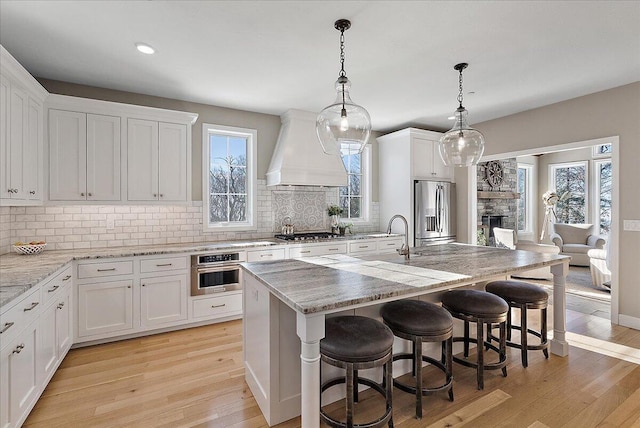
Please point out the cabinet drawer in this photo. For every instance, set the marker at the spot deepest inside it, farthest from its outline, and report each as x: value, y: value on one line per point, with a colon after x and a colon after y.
x: 218, y: 306
x: 98, y: 270
x: 20, y: 315
x: 54, y: 286
x: 362, y: 247
x: 318, y: 250
x: 389, y: 245
x: 262, y: 255
x: 166, y: 263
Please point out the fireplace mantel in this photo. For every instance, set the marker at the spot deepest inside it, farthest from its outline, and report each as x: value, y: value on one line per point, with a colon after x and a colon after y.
x: 498, y: 195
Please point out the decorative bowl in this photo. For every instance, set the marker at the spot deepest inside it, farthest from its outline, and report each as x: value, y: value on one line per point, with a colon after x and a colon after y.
x: 28, y: 249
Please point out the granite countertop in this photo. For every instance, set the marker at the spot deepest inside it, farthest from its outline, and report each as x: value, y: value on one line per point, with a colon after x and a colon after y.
x: 19, y: 273
x: 318, y: 284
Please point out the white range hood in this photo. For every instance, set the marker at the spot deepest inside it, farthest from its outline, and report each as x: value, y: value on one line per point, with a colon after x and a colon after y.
x: 298, y: 158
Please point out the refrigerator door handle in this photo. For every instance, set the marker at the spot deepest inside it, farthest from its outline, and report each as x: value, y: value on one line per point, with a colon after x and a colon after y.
x: 438, y: 212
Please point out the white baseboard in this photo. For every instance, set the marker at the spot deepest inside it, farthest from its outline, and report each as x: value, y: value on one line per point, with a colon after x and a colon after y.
x: 628, y: 321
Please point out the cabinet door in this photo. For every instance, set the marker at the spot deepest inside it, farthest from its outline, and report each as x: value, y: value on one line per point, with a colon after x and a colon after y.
x: 64, y: 331
x: 440, y: 170
x: 32, y: 169
x: 105, y: 307
x: 5, y: 153
x: 421, y: 152
x: 47, y: 348
x: 103, y: 158
x: 172, y: 162
x: 18, y: 136
x: 19, y: 362
x: 142, y: 160
x: 67, y: 155
x: 163, y: 299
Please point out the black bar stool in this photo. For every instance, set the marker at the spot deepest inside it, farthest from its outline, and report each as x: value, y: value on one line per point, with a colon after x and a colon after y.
x: 523, y: 295
x: 481, y: 308
x: 421, y: 322
x: 356, y: 343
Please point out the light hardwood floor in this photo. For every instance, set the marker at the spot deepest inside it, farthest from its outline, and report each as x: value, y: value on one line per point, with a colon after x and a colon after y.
x: 195, y: 378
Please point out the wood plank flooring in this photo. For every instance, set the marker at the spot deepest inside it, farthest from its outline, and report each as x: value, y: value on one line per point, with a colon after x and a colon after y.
x: 195, y: 378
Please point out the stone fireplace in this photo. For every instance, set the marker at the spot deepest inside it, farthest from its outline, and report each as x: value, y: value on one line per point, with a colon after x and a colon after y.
x: 497, y: 204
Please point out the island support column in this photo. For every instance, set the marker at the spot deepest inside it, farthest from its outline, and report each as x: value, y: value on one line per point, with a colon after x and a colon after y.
x: 559, y: 345
x: 310, y: 329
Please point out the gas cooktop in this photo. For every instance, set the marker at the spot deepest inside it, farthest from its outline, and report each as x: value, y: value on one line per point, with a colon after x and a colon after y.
x: 307, y: 236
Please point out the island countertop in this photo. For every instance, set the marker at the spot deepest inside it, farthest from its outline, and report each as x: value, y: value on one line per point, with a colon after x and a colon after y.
x: 326, y: 283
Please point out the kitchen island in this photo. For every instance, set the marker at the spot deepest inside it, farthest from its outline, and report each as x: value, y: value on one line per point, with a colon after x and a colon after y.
x: 286, y: 303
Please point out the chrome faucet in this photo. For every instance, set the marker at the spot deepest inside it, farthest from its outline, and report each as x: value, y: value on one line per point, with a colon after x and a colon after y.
x: 404, y: 249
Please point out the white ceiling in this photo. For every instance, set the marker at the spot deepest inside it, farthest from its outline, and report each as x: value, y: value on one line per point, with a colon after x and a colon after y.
x: 269, y: 56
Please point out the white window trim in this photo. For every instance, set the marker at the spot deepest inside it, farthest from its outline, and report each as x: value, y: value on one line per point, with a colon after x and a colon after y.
x: 365, y: 163
x: 596, y: 155
x: 552, y: 182
x: 529, y: 208
x: 252, y: 181
x: 596, y: 205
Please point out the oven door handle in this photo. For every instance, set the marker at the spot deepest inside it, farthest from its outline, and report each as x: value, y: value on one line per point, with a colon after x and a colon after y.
x: 211, y: 269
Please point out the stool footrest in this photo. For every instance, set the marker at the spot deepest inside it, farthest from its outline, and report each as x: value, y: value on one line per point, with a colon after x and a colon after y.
x: 426, y: 390
x: 490, y: 366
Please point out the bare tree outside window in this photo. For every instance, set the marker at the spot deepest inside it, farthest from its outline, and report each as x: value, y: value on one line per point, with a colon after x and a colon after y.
x: 604, y: 197
x: 572, y: 180
x: 351, y: 195
x: 227, y: 179
x: 522, y: 201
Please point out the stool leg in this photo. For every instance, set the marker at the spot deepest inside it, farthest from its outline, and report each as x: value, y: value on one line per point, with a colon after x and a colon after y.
x: 509, y: 323
x: 466, y: 339
x: 523, y: 335
x: 543, y: 331
x: 417, y: 366
x: 488, y: 336
x: 413, y: 351
x: 388, y: 376
x: 503, y: 346
x: 349, y: 396
x: 449, y: 363
x: 480, y: 350
x: 355, y: 386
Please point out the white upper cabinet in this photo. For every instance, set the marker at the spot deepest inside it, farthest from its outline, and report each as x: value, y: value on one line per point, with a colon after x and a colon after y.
x: 426, y: 160
x: 21, y: 141
x: 102, y: 151
x: 157, y: 161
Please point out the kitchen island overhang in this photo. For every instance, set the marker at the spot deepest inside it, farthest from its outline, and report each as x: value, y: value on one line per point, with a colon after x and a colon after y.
x: 317, y: 286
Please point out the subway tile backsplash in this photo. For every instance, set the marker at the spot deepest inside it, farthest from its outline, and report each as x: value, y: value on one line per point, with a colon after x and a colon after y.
x: 85, y: 226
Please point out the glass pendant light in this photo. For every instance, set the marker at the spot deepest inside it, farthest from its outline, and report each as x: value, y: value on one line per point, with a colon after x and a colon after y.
x: 344, y: 127
x: 462, y: 145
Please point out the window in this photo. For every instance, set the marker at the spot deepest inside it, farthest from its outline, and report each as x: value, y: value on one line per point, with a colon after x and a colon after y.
x: 354, y: 197
x: 525, y: 208
x: 603, y: 195
x: 229, y: 182
x: 570, y: 181
x: 602, y: 150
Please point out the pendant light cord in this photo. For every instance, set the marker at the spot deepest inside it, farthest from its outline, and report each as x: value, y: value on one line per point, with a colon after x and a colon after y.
x: 460, y: 89
x: 342, y: 72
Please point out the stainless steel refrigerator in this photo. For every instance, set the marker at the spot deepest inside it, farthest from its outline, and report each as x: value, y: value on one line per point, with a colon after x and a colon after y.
x: 435, y: 214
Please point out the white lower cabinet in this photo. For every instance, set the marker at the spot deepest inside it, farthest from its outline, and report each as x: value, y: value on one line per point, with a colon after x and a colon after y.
x: 163, y: 299
x: 105, y: 307
x: 227, y: 305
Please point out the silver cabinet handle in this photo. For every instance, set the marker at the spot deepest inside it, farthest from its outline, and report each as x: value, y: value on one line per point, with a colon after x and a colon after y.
x: 6, y: 327
x: 363, y: 246
x: 60, y: 305
x: 66, y: 278
x: 55, y: 287
x: 305, y: 252
x: 106, y: 270
x: 18, y: 349
x: 218, y: 306
x: 334, y: 249
x: 33, y: 192
x: 32, y: 307
x: 266, y: 255
x: 164, y: 264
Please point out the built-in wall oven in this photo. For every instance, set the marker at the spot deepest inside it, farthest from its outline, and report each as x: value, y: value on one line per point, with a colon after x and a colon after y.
x: 216, y: 273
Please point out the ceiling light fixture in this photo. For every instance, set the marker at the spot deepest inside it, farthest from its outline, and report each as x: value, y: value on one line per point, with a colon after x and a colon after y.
x: 145, y: 48
x: 343, y: 127
x: 462, y: 145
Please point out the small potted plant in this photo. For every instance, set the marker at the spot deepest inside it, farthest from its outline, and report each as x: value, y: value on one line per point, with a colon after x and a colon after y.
x: 334, y: 211
x: 342, y: 227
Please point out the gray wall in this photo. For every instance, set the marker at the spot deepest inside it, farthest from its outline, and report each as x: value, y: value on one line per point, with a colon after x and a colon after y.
x: 614, y: 112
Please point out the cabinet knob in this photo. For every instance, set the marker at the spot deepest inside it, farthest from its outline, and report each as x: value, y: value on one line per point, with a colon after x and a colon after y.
x: 161, y: 195
x: 155, y: 195
x: 88, y: 194
x: 82, y: 194
x: 18, y: 349
x: 33, y: 192
x: 60, y: 305
x: 144, y: 285
x: 128, y: 286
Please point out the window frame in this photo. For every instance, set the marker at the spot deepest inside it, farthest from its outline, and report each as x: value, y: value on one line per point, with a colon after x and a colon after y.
x: 365, y: 203
x: 552, y: 181
x: 595, y: 154
x: 528, y: 203
x: 597, y: 189
x: 251, y: 135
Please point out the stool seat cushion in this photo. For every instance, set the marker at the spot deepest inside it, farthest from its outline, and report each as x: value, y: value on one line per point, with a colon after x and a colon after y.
x: 417, y: 318
x: 355, y: 339
x: 518, y: 291
x: 475, y: 303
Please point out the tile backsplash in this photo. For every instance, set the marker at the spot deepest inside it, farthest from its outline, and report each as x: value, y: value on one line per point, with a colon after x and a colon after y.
x: 85, y: 226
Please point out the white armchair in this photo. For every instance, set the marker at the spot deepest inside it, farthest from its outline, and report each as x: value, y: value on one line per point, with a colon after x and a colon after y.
x: 576, y: 240
x: 600, y: 273
x: 507, y: 238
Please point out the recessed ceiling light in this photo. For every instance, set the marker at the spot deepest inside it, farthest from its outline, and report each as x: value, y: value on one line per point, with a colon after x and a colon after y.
x: 145, y: 48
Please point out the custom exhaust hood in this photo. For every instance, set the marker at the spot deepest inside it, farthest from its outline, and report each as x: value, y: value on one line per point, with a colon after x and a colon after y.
x: 298, y: 158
